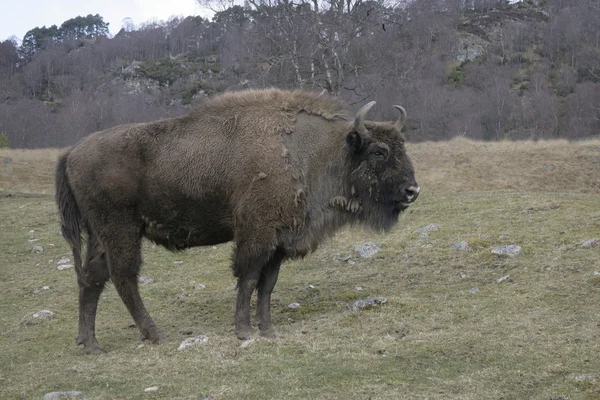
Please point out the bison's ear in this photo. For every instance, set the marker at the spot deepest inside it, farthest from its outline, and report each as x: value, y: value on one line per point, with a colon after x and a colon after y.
x: 354, y: 141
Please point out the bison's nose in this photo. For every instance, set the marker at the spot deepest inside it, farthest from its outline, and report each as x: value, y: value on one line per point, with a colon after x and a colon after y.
x: 411, y: 193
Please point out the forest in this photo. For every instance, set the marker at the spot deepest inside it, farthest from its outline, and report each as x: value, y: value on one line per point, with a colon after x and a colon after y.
x: 482, y: 69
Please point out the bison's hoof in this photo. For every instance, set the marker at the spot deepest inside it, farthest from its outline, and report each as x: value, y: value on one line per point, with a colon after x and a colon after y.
x: 154, y: 336
x: 243, y: 333
x: 93, y: 349
x: 268, y: 333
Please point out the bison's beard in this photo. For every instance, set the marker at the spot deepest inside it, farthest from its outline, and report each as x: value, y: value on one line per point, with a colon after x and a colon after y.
x: 381, y: 216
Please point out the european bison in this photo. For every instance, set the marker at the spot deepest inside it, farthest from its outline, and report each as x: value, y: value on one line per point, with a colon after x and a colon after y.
x: 275, y: 171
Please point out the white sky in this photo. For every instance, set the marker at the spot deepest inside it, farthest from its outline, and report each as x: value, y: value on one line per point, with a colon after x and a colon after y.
x: 19, y: 16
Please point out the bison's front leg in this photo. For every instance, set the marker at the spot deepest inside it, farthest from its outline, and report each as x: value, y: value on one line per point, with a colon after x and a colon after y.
x: 250, y: 260
x: 268, y: 279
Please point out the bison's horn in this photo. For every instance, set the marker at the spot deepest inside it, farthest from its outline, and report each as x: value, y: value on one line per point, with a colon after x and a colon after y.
x: 359, y: 120
x: 401, y: 119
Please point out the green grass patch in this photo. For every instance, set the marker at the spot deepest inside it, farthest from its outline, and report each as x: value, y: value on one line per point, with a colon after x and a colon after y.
x: 534, y: 336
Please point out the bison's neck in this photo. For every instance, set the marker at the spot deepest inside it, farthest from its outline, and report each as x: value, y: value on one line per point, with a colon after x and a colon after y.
x: 319, y: 168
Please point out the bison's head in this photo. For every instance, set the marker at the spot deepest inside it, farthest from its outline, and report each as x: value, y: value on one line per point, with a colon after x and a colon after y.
x: 381, y: 174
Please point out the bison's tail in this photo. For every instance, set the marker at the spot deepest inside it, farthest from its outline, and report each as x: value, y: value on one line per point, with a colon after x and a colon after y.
x: 71, y: 222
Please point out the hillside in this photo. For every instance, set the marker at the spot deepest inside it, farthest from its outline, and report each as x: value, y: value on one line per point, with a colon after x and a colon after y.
x: 484, y: 70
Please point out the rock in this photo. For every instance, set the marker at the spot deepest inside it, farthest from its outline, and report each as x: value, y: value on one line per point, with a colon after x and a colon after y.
x: 32, y: 240
x: 509, y: 250
x: 152, y: 389
x: 366, y: 303
x: 64, y: 266
x: 582, y: 378
x: 192, y: 341
x: 62, y: 395
x: 41, y: 289
x: 424, y: 231
x: 426, y: 245
x: 246, y: 343
x: 503, y: 237
x: 590, y: 243
x: 463, y: 246
x: 177, y: 262
x: 548, y: 167
x: 63, y: 260
x: 293, y: 306
x: 339, y: 258
x: 205, y: 398
x: 367, y: 250
x: 36, y: 318
x: 145, y: 279
x: 7, y: 160
x: 474, y: 290
x: 502, y: 279
x: 596, y: 273
x: 351, y: 262
x: 37, y: 249
x: 200, y: 286
x: 358, y: 288
x: 309, y: 287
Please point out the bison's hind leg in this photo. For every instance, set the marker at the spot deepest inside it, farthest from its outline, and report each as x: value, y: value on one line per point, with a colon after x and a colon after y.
x: 91, y: 279
x: 122, y: 241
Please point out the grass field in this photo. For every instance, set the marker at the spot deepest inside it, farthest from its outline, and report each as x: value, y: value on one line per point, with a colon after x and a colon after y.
x: 448, y: 331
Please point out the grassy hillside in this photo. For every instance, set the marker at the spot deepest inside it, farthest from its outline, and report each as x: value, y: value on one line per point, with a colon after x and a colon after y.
x: 457, y: 324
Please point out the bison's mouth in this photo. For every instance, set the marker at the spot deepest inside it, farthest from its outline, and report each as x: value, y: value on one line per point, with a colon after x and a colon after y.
x: 400, y: 206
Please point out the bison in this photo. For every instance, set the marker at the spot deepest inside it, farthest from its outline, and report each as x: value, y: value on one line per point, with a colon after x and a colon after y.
x: 275, y: 171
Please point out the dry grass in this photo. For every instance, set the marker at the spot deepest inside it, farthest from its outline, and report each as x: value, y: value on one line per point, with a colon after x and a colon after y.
x: 455, y: 166
x: 534, y: 336
x: 28, y: 171
x: 465, y: 165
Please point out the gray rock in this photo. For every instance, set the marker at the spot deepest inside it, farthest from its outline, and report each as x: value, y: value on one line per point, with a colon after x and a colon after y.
x: 192, y: 341
x: 293, y: 305
x: 62, y: 395
x: 358, y: 288
x: 502, y: 279
x: 548, y: 167
x: 367, y: 250
x: 41, y: 289
x: 582, y: 378
x: 205, y: 398
x: 36, y: 318
x: 145, y: 279
x: 474, y: 290
x: 366, y: 303
x: 596, y: 273
x: 339, y: 258
x: 32, y: 240
x: 463, y: 246
x: 200, y: 287
x: 37, y: 249
x: 43, y: 314
x: 64, y: 266
x: 63, y: 260
x: 502, y: 237
x: 509, y: 250
x: 590, y: 243
x: 152, y: 389
x: 424, y: 231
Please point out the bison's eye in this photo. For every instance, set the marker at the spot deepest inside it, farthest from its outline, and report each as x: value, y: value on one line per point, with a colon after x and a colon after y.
x: 377, y: 154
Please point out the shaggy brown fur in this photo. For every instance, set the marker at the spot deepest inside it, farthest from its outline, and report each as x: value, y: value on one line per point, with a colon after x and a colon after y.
x: 275, y: 171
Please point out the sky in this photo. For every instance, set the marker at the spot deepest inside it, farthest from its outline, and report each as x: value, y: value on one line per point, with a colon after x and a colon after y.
x: 24, y: 15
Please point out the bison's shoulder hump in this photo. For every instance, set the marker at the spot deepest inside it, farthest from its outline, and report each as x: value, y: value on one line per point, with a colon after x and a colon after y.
x: 275, y: 100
